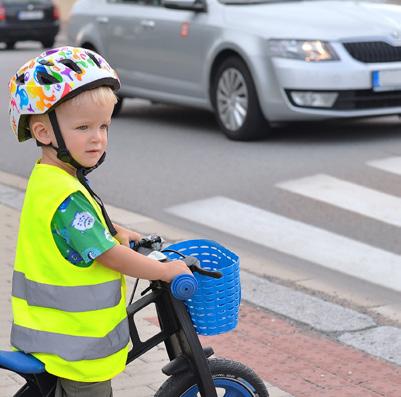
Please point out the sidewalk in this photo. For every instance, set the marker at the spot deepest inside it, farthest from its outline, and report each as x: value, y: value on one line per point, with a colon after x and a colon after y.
x: 296, y: 359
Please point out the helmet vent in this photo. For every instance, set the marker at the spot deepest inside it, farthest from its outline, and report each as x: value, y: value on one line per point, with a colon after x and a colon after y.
x: 44, y: 62
x: 20, y: 80
x: 46, y: 78
x: 71, y: 64
x: 94, y: 59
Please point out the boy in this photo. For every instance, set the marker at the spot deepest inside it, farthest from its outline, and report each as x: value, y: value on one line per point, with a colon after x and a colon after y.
x: 68, y: 294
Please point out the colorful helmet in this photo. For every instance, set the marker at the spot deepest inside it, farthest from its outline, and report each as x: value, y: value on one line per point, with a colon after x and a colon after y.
x: 51, y: 78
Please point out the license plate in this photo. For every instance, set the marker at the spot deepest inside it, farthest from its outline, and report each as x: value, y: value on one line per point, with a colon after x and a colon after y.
x: 386, y: 80
x: 30, y: 15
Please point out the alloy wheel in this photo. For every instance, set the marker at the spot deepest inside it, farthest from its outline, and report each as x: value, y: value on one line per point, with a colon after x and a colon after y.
x: 232, y: 99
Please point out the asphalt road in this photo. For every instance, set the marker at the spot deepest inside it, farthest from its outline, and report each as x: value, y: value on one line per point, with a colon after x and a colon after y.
x: 163, y: 156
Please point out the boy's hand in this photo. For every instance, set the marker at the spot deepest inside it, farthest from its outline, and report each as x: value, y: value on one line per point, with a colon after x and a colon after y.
x: 124, y: 236
x: 174, y: 268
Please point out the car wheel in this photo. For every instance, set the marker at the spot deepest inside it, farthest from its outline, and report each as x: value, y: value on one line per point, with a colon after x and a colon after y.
x: 49, y: 43
x: 117, y: 106
x: 10, y: 45
x: 236, y: 102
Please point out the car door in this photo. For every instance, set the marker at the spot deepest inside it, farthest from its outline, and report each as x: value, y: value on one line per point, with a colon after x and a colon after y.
x: 175, y: 43
x: 163, y: 50
x: 118, y: 28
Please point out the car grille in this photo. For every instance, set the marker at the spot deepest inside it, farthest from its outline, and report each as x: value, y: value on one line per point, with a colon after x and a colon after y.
x: 374, y: 51
x: 367, y: 99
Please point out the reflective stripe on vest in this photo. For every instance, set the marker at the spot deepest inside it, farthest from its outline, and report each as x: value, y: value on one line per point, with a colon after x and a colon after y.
x: 69, y: 299
x: 68, y: 347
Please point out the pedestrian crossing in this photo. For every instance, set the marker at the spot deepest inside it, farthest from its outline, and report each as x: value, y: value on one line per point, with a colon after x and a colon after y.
x: 391, y: 164
x: 309, y: 242
x: 350, y: 196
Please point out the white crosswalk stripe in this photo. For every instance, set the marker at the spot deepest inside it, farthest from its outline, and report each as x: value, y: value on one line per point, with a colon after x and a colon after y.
x: 390, y: 164
x: 350, y: 196
x: 295, y: 238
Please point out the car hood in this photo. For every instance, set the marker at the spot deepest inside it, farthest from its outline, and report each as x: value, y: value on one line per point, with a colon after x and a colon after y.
x: 324, y: 20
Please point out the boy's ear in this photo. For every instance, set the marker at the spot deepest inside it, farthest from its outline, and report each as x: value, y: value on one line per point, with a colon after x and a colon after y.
x: 40, y: 132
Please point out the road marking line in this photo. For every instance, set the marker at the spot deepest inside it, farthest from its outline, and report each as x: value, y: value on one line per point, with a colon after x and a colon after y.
x: 295, y: 238
x: 350, y: 196
x: 390, y: 164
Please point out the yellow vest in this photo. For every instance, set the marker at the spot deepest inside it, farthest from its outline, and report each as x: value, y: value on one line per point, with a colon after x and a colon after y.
x: 71, y: 318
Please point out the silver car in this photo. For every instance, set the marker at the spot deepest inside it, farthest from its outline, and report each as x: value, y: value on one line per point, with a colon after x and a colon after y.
x: 253, y: 62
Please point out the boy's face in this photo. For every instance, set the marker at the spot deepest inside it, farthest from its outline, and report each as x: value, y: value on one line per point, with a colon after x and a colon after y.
x: 84, y: 126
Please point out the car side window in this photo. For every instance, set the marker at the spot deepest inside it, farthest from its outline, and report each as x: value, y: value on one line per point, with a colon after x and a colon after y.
x: 156, y: 3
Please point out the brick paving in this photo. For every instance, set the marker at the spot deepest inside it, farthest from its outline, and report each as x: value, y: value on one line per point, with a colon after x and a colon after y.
x: 304, y: 362
x: 301, y: 361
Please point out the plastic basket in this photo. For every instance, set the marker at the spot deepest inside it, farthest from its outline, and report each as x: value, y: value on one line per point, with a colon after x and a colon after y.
x: 214, y: 307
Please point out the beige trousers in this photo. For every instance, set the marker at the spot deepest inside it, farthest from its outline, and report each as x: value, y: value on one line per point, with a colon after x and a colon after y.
x: 70, y: 388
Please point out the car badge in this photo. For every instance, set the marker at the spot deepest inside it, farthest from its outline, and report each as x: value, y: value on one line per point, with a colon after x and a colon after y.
x: 396, y: 34
x: 31, y: 7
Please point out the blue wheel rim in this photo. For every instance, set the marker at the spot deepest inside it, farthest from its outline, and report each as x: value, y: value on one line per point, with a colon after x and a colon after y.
x: 231, y: 388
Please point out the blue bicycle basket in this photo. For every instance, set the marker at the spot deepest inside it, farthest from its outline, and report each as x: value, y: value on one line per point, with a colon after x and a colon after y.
x: 214, y: 307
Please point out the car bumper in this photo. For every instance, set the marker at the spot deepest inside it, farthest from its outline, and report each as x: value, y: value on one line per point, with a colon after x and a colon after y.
x: 351, y: 82
x: 37, y: 31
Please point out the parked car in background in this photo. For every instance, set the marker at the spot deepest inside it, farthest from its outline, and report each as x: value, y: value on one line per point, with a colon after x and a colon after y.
x: 22, y: 20
x: 253, y: 62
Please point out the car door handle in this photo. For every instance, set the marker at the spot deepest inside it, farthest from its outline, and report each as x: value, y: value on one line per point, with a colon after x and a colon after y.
x: 147, y: 23
x: 102, y: 19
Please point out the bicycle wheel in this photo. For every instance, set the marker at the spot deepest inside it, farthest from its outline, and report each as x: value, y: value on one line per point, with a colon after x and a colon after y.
x: 230, y: 378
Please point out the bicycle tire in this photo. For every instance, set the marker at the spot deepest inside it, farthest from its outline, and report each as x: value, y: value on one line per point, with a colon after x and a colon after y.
x: 227, y: 375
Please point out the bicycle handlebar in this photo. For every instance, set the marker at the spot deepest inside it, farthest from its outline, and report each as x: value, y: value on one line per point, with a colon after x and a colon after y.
x: 153, y: 242
x: 183, y: 286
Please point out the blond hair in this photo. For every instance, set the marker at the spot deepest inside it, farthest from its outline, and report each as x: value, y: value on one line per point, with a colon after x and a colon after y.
x: 100, y: 95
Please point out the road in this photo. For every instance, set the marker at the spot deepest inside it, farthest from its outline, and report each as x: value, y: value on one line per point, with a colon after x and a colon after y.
x: 308, y: 197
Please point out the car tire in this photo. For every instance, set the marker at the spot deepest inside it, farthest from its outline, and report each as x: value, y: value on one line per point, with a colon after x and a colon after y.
x: 236, y: 102
x: 117, y: 106
x: 49, y: 43
x: 10, y: 45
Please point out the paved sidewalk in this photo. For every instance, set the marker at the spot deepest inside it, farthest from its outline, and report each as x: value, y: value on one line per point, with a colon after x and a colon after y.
x: 293, y: 357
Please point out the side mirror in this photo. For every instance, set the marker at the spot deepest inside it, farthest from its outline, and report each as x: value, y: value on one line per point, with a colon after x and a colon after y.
x: 190, y: 5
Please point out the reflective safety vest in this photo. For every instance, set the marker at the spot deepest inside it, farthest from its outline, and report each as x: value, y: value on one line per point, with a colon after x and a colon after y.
x: 71, y: 318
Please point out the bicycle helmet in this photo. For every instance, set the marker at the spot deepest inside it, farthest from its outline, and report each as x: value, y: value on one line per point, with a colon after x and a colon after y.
x: 53, y: 77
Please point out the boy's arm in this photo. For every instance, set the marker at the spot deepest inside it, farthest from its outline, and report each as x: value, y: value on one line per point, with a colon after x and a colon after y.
x: 124, y: 236
x: 124, y: 260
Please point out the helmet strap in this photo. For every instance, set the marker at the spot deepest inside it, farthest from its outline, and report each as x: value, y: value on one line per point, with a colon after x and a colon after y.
x: 64, y: 155
x: 84, y: 181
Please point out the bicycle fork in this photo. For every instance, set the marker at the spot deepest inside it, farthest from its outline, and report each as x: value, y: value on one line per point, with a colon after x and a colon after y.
x: 178, y: 334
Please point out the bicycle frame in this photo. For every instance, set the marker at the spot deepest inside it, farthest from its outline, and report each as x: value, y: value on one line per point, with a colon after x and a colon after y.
x: 176, y: 331
x: 178, y: 334
x: 40, y: 385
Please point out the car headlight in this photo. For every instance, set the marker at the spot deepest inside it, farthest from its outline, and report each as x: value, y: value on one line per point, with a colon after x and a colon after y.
x: 306, y: 50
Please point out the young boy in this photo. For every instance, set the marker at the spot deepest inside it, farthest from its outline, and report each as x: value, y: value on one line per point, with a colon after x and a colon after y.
x: 68, y: 293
